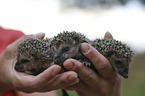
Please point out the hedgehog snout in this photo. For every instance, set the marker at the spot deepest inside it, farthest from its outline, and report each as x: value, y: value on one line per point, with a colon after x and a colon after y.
x: 123, y: 72
x: 20, y: 65
x: 125, y: 75
x: 58, y: 59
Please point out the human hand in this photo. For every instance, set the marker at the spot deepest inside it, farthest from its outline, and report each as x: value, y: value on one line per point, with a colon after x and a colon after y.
x: 105, y: 83
x: 48, y: 80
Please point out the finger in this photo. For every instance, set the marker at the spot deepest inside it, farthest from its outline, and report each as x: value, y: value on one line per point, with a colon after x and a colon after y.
x: 83, y: 88
x: 10, y: 50
x: 99, y: 61
x: 36, y: 82
x: 108, y: 35
x: 63, y: 80
x: 39, y: 35
x: 86, y: 74
x: 47, y: 75
x: 72, y: 85
x: 78, y: 86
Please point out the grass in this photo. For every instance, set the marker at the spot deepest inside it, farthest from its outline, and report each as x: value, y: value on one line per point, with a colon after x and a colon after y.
x: 135, y: 84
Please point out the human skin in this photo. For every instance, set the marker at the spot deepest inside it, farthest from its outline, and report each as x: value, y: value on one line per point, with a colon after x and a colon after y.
x: 50, y: 79
x: 105, y: 83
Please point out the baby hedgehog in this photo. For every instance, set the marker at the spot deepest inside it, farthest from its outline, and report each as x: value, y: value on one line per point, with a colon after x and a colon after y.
x: 118, y: 54
x: 36, y: 55
x: 67, y: 45
x: 33, y: 56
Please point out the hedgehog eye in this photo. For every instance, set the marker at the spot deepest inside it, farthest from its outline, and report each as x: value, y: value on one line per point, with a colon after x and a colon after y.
x: 66, y: 49
x: 22, y: 62
x: 25, y: 61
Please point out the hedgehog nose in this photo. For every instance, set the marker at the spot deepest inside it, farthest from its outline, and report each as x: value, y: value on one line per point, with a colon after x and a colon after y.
x: 125, y: 75
x: 57, y: 59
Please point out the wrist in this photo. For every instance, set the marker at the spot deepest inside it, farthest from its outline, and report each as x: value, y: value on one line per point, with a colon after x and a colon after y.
x: 4, y: 81
x: 118, y: 88
x: 3, y: 88
x: 4, y: 85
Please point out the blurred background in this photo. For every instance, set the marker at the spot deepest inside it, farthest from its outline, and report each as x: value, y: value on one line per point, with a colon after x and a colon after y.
x: 124, y: 19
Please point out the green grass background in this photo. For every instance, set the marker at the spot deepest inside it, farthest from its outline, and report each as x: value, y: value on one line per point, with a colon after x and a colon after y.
x: 135, y: 84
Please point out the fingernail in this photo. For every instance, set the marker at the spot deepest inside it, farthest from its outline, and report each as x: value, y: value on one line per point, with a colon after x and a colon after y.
x: 40, y: 35
x: 69, y: 65
x: 76, y: 81
x: 71, y: 77
x: 56, y: 69
x: 84, y: 47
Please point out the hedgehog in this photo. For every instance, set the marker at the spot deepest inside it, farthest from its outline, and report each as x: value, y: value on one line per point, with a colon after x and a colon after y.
x: 118, y: 54
x: 67, y: 45
x: 33, y: 56
x: 36, y: 55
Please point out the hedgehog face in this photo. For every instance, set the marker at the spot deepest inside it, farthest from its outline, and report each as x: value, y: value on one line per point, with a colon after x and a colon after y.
x: 119, y: 64
x: 32, y: 63
x: 66, y: 45
x: 25, y: 62
x: 33, y: 56
x: 122, y: 67
x: 65, y: 50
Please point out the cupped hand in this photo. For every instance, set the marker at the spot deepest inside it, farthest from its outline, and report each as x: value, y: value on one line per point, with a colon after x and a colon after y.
x: 104, y: 83
x: 50, y: 79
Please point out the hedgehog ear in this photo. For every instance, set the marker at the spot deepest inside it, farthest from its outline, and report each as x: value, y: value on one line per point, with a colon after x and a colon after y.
x: 108, y: 35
